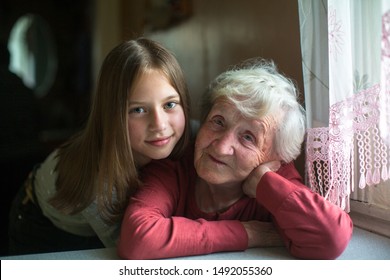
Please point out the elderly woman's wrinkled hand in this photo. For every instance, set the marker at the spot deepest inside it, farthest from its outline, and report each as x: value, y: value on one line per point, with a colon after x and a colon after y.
x: 262, y: 234
x: 250, y: 185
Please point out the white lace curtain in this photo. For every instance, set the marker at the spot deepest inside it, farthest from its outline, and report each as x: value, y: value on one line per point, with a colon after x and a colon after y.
x: 346, y: 64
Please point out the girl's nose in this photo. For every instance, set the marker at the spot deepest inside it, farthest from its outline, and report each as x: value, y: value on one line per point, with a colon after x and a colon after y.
x: 158, y: 120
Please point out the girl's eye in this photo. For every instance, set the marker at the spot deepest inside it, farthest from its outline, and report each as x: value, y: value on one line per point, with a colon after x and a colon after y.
x: 170, y: 105
x: 138, y: 110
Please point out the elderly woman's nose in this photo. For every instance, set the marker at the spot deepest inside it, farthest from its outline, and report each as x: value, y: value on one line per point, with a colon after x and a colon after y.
x: 224, y: 143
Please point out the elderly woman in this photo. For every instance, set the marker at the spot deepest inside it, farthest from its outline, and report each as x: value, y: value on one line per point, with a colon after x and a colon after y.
x: 237, y: 187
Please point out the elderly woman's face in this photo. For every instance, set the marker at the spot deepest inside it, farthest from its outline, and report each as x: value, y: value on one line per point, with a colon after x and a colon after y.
x: 229, y: 146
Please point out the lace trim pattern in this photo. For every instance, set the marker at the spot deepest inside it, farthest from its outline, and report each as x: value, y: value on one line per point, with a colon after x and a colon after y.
x: 331, y: 153
x: 358, y: 135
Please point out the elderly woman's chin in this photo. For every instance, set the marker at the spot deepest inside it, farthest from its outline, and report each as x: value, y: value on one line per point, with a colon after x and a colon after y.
x: 218, y: 177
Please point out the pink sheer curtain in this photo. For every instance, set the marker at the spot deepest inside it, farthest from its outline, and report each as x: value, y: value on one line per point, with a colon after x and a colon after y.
x: 346, y: 64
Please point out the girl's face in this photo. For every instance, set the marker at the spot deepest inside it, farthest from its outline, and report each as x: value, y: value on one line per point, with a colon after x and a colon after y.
x: 156, y: 118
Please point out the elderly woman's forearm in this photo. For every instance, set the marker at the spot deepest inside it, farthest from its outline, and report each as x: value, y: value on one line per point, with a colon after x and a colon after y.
x: 313, y: 228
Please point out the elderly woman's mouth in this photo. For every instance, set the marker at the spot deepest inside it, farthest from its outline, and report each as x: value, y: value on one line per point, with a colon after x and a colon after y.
x: 217, y: 161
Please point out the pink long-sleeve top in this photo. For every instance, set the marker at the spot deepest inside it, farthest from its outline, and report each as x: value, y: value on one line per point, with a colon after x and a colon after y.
x: 162, y: 219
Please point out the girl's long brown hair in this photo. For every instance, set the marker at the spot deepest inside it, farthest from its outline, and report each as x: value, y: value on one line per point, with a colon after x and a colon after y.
x: 98, y: 163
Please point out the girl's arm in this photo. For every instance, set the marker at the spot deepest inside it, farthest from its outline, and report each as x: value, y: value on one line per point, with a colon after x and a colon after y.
x: 154, y: 225
x: 108, y: 234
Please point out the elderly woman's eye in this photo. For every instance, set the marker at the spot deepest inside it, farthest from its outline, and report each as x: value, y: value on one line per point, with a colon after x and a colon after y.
x: 249, y: 138
x: 217, y: 121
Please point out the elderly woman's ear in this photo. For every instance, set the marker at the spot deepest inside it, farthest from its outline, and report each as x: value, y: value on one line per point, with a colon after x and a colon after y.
x: 250, y: 184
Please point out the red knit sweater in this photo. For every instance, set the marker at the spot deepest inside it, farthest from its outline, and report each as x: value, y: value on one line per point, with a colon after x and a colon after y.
x: 163, y: 220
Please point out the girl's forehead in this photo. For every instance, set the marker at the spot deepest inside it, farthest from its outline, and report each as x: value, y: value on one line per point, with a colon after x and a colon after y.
x: 152, y: 87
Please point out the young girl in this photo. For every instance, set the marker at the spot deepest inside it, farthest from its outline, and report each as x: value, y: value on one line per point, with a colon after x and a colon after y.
x: 76, y: 198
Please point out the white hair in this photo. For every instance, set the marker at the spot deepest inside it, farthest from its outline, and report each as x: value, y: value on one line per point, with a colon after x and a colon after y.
x: 257, y: 89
